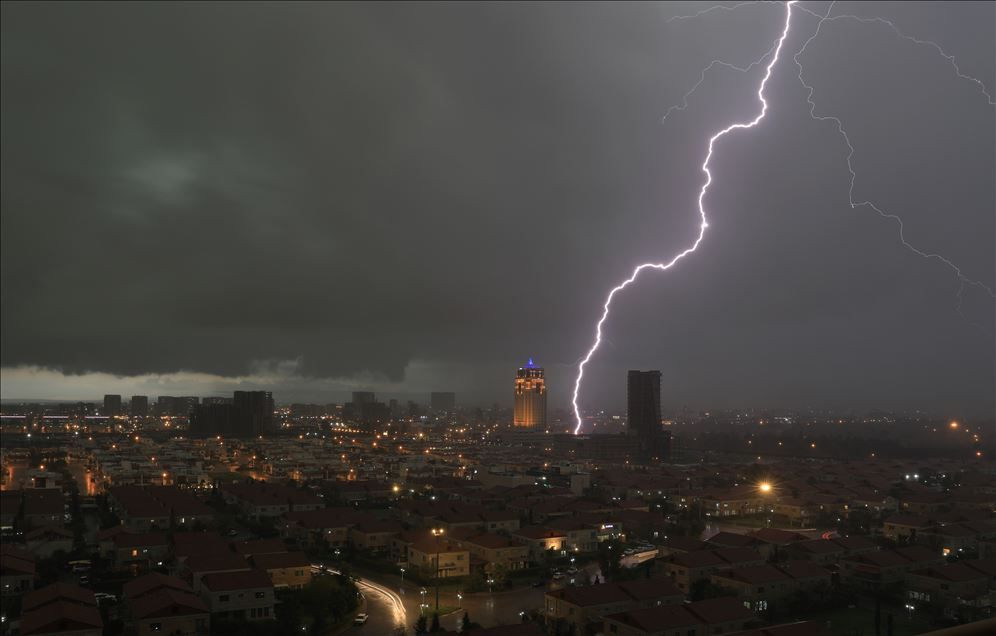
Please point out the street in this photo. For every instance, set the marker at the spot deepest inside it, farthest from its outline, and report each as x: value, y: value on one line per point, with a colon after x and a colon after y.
x: 394, y: 604
x: 385, y: 608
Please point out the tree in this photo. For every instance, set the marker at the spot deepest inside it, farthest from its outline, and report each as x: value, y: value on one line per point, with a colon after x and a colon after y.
x: 704, y: 588
x: 609, y: 553
x: 465, y: 623
x: 435, y: 622
x: 421, y: 625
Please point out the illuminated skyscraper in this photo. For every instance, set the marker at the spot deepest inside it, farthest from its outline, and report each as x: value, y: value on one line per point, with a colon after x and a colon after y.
x: 530, y: 397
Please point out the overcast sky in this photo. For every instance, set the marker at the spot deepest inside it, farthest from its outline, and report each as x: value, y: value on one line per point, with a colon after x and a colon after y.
x: 318, y: 197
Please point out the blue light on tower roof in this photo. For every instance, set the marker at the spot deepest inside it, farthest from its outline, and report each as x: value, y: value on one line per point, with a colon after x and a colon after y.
x: 530, y: 365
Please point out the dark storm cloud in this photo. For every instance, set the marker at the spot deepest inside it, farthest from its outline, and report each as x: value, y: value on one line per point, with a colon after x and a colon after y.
x: 364, y: 188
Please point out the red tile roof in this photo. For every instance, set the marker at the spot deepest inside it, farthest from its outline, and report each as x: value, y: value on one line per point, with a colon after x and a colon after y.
x: 259, y: 546
x: 757, y: 574
x: 658, y: 619
x: 246, y: 580
x: 218, y: 562
x: 60, y: 616
x: 649, y: 589
x: 166, y: 602
x: 591, y: 595
x: 801, y: 628
x: 803, y: 570
x: 281, y: 560
x: 537, y: 532
x: 126, y: 540
x: 731, y: 540
x: 57, y: 592
x: 720, y: 610
x: 152, y: 582
x: 778, y: 537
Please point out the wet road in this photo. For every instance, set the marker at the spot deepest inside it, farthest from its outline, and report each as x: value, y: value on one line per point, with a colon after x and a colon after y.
x: 393, y: 605
x: 488, y: 609
x: 384, y: 606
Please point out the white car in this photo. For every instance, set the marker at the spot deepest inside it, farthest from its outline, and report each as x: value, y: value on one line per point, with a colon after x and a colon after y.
x: 360, y: 619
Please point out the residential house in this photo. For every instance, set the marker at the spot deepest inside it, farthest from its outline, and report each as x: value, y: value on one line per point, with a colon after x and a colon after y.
x: 139, y: 552
x: 285, y: 569
x: 245, y: 595
x: 17, y: 570
x: 685, y: 569
x: 541, y: 541
x: 758, y: 585
x: 579, y: 606
x: 438, y: 557
x: 702, y: 618
x: 496, y: 551
x: 161, y: 604
x: 327, y: 526
x: 374, y: 535
x: 60, y: 608
x: 963, y: 587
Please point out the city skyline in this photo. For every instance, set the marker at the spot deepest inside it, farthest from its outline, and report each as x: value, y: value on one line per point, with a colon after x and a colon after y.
x: 813, y: 303
x: 494, y: 319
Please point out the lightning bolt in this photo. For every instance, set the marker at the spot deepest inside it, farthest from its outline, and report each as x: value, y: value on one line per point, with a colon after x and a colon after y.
x: 964, y: 281
x: 701, y: 207
x: 899, y: 32
x: 702, y: 78
x: 708, y: 10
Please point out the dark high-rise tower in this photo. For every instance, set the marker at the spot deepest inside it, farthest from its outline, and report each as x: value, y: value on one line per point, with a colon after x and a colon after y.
x: 643, y: 413
x: 442, y: 401
x: 248, y: 414
x: 112, y: 405
x: 139, y: 405
x: 364, y: 397
x: 530, y: 397
x: 254, y: 410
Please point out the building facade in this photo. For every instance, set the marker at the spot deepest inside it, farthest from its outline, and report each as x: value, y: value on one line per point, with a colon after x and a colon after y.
x: 442, y: 401
x: 530, y: 397
x: 112, y: 405
x: 139, y: 406
x: 643, y: 414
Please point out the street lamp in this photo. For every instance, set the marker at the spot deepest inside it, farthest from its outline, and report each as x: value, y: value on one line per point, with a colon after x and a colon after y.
x: 459, y: 599
x: 402, y: 576
x: 437, y: 532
